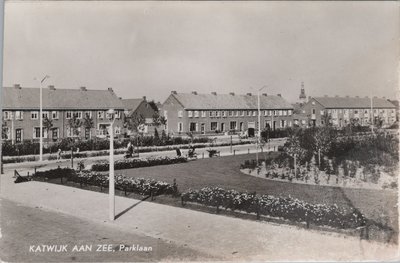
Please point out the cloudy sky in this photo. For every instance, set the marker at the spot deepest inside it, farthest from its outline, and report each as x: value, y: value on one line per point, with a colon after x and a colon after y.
x: 151, y: 48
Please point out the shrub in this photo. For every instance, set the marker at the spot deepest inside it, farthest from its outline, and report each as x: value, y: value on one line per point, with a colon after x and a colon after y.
x: 136, y: 163
x: 287, y: 208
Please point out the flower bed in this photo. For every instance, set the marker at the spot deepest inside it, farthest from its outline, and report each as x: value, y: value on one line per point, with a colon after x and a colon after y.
x: 286, y: 208
x: 128, y: 184
x: 136, y: 163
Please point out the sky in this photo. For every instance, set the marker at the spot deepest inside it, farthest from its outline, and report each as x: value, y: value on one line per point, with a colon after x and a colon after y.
x: 151, y: 48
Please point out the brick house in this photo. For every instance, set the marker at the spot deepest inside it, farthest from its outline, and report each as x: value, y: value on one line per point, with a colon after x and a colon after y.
x: 211, y: 113
x: 143, y: 108
x: 21, y: 112
x: 342, y: 110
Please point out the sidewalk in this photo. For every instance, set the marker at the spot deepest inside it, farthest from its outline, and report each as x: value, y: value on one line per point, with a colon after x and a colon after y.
x: 201, y: 153
x: 226, y: 237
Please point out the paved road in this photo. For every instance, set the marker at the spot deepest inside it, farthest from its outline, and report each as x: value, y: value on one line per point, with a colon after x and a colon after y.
x: 201, y: 152
x: 24, y: 228
x: 221, y: 237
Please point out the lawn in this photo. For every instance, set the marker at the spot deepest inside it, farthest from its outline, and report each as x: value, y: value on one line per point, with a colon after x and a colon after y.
x: 377, y: 205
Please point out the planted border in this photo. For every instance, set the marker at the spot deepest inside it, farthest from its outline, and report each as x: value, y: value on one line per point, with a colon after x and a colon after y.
x: 287, y: 208
x: 136, y: 163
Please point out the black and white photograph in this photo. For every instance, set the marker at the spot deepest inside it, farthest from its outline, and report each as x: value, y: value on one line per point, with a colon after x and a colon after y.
x: 199, y: 131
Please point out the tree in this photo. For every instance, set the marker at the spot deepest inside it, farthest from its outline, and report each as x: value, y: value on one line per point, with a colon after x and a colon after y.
x: 323, y: 138
x: 292, y: 147
x: 156, y: 140
x: 327, y: 119
x: 159, y: 120
x: 74, y: 124
x: 47, y: 125
x: 4, y: 130
x: 88, y: 123
x: 134, y: 122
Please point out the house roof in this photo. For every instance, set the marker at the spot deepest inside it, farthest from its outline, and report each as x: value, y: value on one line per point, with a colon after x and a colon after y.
x: 228, y: 101
x: 132, y: 104
x: 76, y: 99
x: 353, y: 102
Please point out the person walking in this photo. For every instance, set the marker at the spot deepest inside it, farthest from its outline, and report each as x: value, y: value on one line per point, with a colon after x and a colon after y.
x: 59, y: 155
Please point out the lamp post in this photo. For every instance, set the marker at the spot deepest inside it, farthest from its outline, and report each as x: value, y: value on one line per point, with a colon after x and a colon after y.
x: 111, y: 165
x: 259, y: 121
x: 41, y: 118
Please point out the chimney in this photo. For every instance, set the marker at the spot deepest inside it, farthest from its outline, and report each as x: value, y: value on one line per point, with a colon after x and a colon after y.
x: 367, y: 97
x: 357, y: 96
x: 232, y: 93
x: 144, y: 98
x: 325, y: 96
x: 83, y: 88
x: 347, y: 96
x: 120, y: 98
x: 17, y: 86
x: 375, y: 97
x: 194, y: 92
x: 214, y: 93
x: 336, y: 96
x: 265, y: 94
x: 384, y: 97
x: 279, y: 95
x: 248, y: 94
x: 110, y: 89
x: 51, y: 87
x: 174, y: 92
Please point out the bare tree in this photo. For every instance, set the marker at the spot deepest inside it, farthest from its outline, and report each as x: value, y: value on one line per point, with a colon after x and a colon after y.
x: 74, y: 124
x: 47, y: 125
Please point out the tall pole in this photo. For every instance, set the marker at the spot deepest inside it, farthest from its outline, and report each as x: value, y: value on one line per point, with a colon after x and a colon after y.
x: 372, y: 117
x: 41, y: 118
x: 1, y: 81
x: 111, y: 177
x: 41, y: 122
x: 259, y: 121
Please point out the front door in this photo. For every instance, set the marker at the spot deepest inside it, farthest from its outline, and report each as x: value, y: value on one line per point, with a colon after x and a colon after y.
x: 18, y: 135
x: 203, y: 128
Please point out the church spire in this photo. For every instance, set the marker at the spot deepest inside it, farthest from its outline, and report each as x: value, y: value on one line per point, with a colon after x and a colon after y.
x: 302, y: 96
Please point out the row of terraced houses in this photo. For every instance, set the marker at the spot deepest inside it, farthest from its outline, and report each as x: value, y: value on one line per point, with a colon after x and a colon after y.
x: 185, y: 112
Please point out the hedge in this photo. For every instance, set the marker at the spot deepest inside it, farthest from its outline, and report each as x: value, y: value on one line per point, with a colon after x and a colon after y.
x: 287, y: 208
x: 135, y: 185
x: 136, y: 163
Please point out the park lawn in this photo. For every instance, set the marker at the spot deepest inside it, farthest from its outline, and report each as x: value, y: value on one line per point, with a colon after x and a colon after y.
x: 377, y: 205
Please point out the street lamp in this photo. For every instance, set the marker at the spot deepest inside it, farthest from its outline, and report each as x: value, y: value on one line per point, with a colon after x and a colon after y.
x: 41, y: 117
x: 111, y: 117
x: 259, y: 121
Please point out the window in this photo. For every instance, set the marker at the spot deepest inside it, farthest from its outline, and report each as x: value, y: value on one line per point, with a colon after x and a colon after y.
x: 193, y: 126
x: 203, y: 114
x: 313, y: 111
x: 69, y: 114
x: 275, y: 112
x: 254, y: 113
x: 190, y: 114
x: 232, y: 125
x: 88, y: 114
x: 36, y: 132
x: 237, y: 113
x: 196, y: 114
x: 322, y: 112
x: 180, y: 114
x: 118, y: 114
x: 7, y: 115
x: 290, y: 112
x: 34, y: 115
x: 100, y: 115
x: 54, y: 115
x: 19, y: 115
x: 45, y: 114
x: 265, y: 113
x: 211, y: 113
x: 313, y: 102
x: 222, y: 126
x: 280, y: 113
x: 78, y: 114
x: 180, y: 126
x: 366, y: 111
x: 214, y: 126
x: 248, y: 113
x: 54, y: 133
x: 243, y: 112
x: 218, y: 114
x: 223, y: 113
x: 285, y: 113
x: 355, y: 111
x: 117, y: 130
